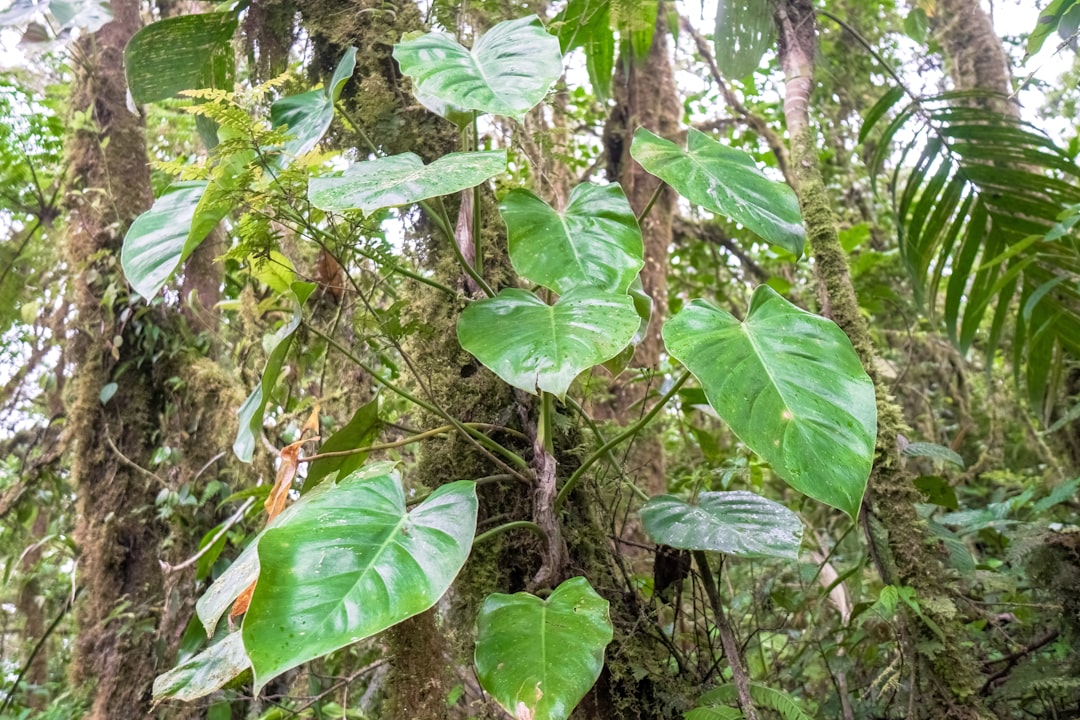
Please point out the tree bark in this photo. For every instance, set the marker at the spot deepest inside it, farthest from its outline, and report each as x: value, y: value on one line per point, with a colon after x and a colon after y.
x: 117, y: 531
x: 950, y: 676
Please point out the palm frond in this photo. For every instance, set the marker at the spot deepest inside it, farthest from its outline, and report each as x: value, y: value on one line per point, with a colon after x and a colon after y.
x: 985, y: 212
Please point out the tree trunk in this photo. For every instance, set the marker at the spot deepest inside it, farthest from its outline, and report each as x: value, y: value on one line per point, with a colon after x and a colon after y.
x: 949, y: 675
x: 117, y: 531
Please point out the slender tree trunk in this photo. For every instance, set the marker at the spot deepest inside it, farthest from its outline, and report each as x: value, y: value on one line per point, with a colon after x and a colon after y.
x: 949, y: 674
x: 117, y: 531
x: 973, y: 53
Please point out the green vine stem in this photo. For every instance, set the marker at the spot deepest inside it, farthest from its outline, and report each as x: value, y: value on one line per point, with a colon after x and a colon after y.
x: 523, y: 524
x: 625, y: 435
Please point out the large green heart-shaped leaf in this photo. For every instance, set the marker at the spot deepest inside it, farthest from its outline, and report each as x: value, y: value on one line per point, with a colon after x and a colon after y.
x: 350, y: 563
x: 726, y: 181
x: 308, y: 115
x: 508, y: 72
x: 179, y: 53
x: 789, y: 384
x: 203, y: 674
x: 539, y: 347
x: 736, y: 523
x: 744, y: 31
x: 245, y: 569
x: 166, y: 234
x: 595, y: 241
x: 538, y: 658
x: 403, y: 180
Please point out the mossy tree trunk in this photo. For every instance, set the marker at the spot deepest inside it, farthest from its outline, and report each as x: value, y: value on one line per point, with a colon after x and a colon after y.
x: 117, y: 530
x: 948, y: 674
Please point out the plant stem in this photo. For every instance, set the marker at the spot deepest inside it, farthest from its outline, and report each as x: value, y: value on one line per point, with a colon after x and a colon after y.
x: 727, y: 638
x: 629, y: 432
x: 442, y: 429
x: 652, y: 201
x: 523, y: 524
x: 485, y: 443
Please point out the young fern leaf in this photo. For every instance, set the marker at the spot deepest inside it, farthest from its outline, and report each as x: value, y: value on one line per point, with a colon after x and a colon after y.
x: 763, y: 695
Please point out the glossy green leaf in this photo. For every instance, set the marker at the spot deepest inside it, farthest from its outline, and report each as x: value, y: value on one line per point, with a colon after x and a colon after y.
x: 744, y: 31
x: 245, y: 569
x: 277, y: 346
x: 361, y: 430
x: 201, y: 675
x: 508, y: 71
x: 178, y: 53
x: 726, y: 181
x: 791, y: 386
x: 538, y: 658
x: 539, y: 347
x: 594, y: 242
x: 403, y: 180
x: 308, y: 115
x: 1048, y: 22
x: 165, y: 235
x: 737, y: 523
x: 350, y: 563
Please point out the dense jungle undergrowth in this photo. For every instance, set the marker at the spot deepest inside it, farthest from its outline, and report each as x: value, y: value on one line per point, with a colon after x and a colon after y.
x: 598, y: 359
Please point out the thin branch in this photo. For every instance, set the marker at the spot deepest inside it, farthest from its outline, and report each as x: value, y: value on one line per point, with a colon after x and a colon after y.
x: 166, y: 568
x: 37, y: 648
x: 132, y: 464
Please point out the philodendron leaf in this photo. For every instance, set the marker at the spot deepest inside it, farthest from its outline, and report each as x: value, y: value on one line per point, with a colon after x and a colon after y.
x: 508, y: 71
x: 308, y: 115
x: 539, y: 347
x: 166, y: 234
x: 789, y: 384
x: 538, y: 658
x: 744, y: 31
x: 277, y: 346
x: 726, y: 181
x: 245, y: 569
x: 643, y: 304
x: 737, y: 523
x: 178, y: 53
x: 352, y: 562
x: 203, y: 674
x: 595, y: 241
x: 403, y: 180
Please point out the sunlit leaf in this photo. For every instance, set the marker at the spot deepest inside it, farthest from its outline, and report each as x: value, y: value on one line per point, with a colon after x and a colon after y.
x: 351, y: 562
x: 542, y: 656
x: 726, y: 181
x: 744, y: 31
x: 203, y: 674
x: 595, y: 241
x: 403, y: 180
x: 508, y: 71
x: 791, y: 386
x: 178, y: 53
x: 359, y: 431
x: 540, y: 347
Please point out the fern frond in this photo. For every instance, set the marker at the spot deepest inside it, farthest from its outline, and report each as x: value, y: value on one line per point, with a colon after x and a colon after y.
x: 763, y: 695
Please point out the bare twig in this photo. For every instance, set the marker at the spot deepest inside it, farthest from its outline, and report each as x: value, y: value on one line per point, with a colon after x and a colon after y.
x: 233, y: 519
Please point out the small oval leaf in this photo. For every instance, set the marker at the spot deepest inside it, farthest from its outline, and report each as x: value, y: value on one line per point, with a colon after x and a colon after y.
x: 403, y: 180
x: 538, y: 658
